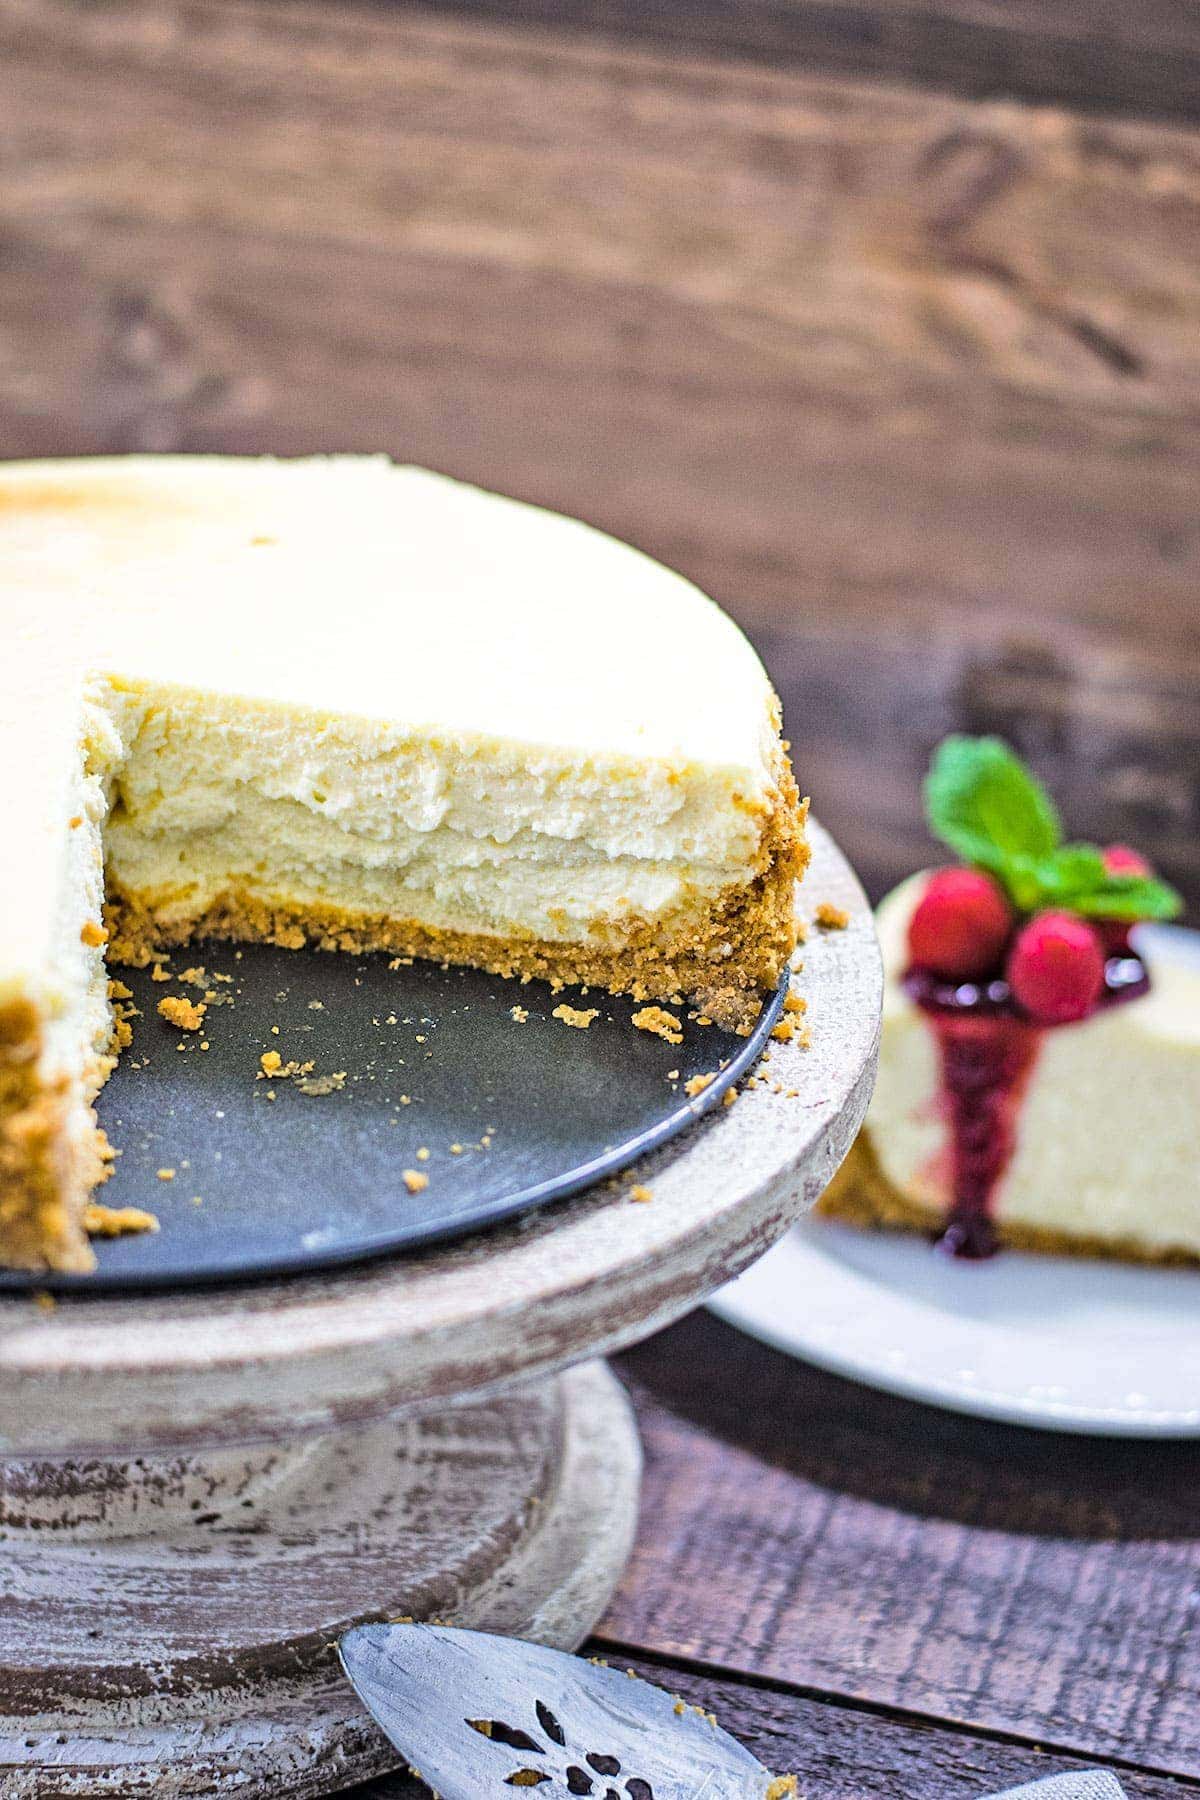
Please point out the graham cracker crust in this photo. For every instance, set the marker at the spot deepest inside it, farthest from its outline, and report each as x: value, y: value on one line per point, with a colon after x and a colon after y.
x: 860, y: 1194
x: 42, y: 1185
x: 721, y: 960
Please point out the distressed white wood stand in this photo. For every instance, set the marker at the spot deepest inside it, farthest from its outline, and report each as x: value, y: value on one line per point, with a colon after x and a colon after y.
x: 199, y: 1491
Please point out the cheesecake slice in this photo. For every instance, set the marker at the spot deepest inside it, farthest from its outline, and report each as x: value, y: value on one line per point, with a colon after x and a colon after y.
x: 987, y: 1128
x: 365, y: 707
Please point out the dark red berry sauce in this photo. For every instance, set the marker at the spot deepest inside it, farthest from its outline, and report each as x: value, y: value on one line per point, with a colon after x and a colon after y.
x: 988, y: 1050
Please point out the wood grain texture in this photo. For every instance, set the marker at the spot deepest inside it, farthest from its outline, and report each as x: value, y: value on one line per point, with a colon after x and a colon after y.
x: 168, y: 1651
x: 840, y: 1752
x: 911, y: 383
x: 808, y: 1531
x: 1086, y: 53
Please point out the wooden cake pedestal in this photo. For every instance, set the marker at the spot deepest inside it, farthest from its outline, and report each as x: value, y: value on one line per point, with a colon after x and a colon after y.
x: 199, y: 1491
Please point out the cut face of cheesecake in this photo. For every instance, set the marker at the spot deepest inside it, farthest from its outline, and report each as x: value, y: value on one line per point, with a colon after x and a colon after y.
x: 362, y: 706
x: 1081, y: 1137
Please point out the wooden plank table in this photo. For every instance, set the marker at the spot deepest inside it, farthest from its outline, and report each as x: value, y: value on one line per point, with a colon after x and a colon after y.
x: 882, y: 1598
x: 881, y: 318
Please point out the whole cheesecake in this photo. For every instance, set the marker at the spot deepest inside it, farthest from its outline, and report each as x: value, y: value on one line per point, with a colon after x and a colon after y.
x: 346, y: 703
x: 987, y: 1128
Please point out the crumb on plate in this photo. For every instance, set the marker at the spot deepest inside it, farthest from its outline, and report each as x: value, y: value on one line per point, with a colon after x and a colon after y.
x: 185, y: 1015
x: 660, y: 1022
x: 117, y: 1221
x: 578, y: 1016
x: 321, y: 1084
x: 273, y: 1067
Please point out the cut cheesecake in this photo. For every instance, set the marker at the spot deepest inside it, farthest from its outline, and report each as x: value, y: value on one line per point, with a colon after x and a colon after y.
x: 1078, y: 1137
x: 366, y: 707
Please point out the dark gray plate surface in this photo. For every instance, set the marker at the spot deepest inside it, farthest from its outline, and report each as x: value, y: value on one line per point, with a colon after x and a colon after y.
x: 270, y: 1180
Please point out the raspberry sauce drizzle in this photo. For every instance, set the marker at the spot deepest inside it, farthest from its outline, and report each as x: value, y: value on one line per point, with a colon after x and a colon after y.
x: 988, y: 1051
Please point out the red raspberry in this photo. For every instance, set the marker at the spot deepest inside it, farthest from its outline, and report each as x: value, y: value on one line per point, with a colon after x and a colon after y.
x: 1119, y: 859
x: 1056, y: 968
x: 961, y: 924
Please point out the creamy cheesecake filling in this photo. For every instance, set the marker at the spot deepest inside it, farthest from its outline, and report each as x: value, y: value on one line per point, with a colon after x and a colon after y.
x: 78, y: 1018
x: 1105, y: 1148
x: 464, y: 836
x: 188, y: 815
x: 56, y: 1042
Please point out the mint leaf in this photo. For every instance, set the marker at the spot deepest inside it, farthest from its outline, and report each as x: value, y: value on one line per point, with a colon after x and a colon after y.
x: 981, y: 800
x: 1030, y: 883
x: 1072, y: 870
x: 1129, y: 897
x: 1077, y: 879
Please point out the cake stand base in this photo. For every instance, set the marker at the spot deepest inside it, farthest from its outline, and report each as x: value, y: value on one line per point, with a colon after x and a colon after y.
x: 202, y: 1489
x: 168, y: 1623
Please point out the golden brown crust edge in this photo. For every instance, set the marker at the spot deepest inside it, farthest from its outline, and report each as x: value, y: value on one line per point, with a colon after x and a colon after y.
x: 860, y: 1194
x: 42, y: 1185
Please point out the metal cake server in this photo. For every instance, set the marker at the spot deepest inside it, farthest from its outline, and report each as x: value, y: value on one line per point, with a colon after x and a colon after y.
x: 476, y: 1715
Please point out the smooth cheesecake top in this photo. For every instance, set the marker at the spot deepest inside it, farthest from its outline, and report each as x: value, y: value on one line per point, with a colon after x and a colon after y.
x: 352, y: 588
x: 349, y: 584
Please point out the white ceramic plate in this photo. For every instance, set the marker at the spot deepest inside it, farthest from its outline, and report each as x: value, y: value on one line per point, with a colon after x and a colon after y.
x: 1064, y: 1344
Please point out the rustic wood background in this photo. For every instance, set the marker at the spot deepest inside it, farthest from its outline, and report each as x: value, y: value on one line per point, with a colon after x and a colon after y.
x: 880, y: 318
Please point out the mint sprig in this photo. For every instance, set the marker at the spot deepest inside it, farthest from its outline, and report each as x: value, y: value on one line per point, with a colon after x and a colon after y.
x: 982, y: 801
